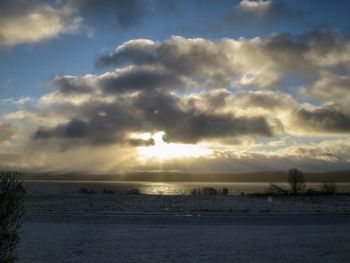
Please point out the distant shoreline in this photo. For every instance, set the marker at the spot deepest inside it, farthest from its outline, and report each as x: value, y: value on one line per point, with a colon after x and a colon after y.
x: 276, y: 176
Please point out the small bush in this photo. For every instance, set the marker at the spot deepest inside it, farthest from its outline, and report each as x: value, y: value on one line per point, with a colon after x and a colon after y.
x: 197, y: 191
x: 209, y: 191
x: 134, y: 191
x: 205, y: 191
x: 224, y: 191
x: 84, y: 190
x: 276, y: 189
x: 107, y: 191
x: 194, y: 191
x: 11, y: 212
x: 329, y: 188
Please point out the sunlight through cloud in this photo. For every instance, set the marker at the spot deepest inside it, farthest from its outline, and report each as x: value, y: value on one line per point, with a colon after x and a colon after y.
x: 164, y: 151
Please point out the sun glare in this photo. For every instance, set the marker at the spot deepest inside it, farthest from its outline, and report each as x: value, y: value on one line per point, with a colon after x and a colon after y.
x: 164, y: 151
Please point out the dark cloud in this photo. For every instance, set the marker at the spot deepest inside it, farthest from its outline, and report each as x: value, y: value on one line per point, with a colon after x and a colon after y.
x: 191, y: 125
x: 329, y: 119
x: 215, y: 99
x: 73, y: 129
x: 289, y: 51
x: 324, y: 39
x: 95, y: 123
x: 188, y: 57
x: 139, y: 78
x: 266, y: 100
x: 212, y: 126
x: 200, y: 60
x: 152, y: 111
x: 140, y: 142
x: 71, y: 85
x: 124, y: 80
x: 308, y: 53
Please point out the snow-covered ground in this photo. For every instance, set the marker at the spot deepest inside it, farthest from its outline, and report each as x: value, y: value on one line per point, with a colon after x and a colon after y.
x: 169, y: 238
x: 144, y: 228
x: 185, y: 204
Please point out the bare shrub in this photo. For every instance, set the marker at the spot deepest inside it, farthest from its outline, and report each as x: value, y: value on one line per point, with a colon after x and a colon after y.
x: 194, y: 191
x: 209, y: 191
x: 84, y: 190
x: 278, y: 189
x: 134, y: 191
x: 11, y: 212
x: 108, y: 191
x: 205, y: 191
x: 329, y: 188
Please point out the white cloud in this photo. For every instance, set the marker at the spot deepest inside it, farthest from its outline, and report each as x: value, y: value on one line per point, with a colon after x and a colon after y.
x: 252, y: 5
x: 35, y: 22
x: 330, y: 87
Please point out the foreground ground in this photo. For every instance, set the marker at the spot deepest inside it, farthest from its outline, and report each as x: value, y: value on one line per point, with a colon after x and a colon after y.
x: 184, y: 238
x: 145, y: 228
x: 92, y: 203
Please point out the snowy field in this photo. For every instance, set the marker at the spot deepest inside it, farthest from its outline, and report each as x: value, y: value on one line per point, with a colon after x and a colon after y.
x: 169, y: 238
x: 146, y: 228
x: 186, y: 204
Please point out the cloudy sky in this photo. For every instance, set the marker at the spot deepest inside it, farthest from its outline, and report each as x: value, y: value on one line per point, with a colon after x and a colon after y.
x: 187, y: 85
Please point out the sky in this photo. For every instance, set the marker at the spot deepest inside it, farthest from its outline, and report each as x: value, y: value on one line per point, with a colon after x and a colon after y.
x: 174, y: 85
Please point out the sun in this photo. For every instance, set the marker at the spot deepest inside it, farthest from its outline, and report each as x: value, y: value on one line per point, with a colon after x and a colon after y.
x: 165, y: 151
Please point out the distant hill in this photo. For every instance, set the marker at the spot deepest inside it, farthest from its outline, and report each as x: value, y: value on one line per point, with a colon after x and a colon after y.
x: 275, y: 176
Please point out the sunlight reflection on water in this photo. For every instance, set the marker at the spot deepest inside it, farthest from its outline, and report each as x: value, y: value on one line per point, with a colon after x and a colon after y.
x: 161, y: 189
